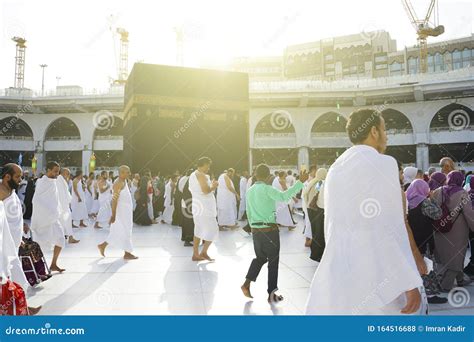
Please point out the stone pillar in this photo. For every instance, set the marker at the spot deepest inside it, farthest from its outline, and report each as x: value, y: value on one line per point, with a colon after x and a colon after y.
x: 422, y: 157
x: 303, y: 157
x: 86, y: 156
x: 250, y: 161
x: 40, y: 163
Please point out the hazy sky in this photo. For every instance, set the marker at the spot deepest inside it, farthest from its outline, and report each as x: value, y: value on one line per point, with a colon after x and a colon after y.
x: 74, y: 39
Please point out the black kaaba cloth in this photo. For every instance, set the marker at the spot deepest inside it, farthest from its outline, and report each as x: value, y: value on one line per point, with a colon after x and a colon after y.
x: 174, y: 115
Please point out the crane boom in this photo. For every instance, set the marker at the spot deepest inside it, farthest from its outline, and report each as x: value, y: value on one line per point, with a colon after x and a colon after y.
x: 411, y: 13
x: 430, y: 11
x: 423, y: 29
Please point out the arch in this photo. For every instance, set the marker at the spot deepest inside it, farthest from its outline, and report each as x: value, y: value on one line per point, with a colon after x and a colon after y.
x: 330, y: 122
x: 110, y: 126
x: 281, y: 157
x: 62, y: 129
x: 15, y: 127
x: 454, y: 116
x: 279, y: 121
x: 65, y: 158
x: 396, y: 121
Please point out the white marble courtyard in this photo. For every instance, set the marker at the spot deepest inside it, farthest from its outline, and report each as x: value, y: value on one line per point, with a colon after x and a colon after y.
x: 164, y: 280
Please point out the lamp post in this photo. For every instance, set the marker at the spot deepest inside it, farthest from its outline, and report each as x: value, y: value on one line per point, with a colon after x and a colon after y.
x: 43, y: 66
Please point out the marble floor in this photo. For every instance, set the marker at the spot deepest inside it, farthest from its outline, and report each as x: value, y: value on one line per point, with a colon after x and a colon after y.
x: 164, y: 280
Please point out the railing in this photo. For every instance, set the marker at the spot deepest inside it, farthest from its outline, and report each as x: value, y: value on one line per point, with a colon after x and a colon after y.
x: 380, y: 82
x: 275, y: 134
x: 451, y: 129
x: 108, y: 137
x: 63, y: 138
x: 14, y: 137
x: 113, y: 92
x: 288, y: 85
x: 400, y: 131
x: 328, y: 134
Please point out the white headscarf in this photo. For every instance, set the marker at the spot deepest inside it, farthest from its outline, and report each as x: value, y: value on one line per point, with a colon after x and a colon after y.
x: 409, y: 174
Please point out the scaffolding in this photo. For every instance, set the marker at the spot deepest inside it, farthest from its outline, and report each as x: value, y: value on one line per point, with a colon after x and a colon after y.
x: 19, y: 62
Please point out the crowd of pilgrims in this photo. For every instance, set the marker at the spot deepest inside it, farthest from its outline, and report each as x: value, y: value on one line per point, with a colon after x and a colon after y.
x: 168, y: 200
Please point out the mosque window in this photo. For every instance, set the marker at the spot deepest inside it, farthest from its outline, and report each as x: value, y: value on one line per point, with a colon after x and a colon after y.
x: 413, y: 65
x: 439, y: 62
x: 396, y: 68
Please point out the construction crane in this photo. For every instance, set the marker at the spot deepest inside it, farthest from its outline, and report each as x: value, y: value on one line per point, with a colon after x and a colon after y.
x: 20, y: 62
x: 123, y: 59
x: 424, y: 28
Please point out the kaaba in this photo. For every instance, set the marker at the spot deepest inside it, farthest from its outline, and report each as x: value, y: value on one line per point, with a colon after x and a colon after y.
x: 175, y: 115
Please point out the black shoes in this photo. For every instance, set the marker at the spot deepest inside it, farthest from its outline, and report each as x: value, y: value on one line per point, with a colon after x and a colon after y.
x: 437, y: 300
x: 469, y: 270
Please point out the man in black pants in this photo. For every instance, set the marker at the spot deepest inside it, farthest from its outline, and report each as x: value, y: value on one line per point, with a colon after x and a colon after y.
x: 260, y: 206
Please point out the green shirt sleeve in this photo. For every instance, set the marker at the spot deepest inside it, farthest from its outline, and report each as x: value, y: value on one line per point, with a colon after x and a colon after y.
x: 283, y: 196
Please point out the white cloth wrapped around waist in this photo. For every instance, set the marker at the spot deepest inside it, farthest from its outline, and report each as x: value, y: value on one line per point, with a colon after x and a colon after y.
x: 14, y: 212
x: 10, y: 266
x: 202, y: 204
x: 45, y: 219
x: 367, y: 262
x: 46, y: 207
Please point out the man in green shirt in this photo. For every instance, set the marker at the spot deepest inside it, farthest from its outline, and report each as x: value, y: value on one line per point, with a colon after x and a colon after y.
x: 260, y: 206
